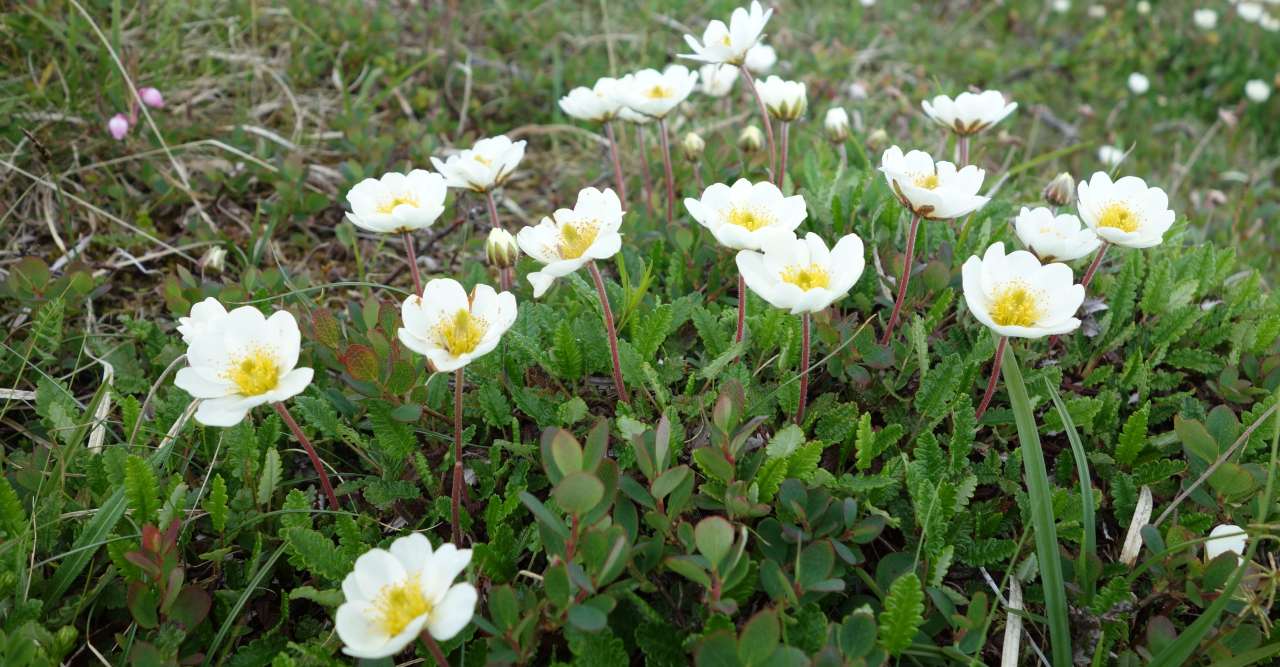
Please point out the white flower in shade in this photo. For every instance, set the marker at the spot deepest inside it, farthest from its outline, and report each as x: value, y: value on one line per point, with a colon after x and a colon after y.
x: 1062, y: 6
x: 801, y: 275
x: 597, y: 104
x: 1097, y: 12
x: 1125, y: 212
x: 397, y: 202
x: 836, y: 124
x: 1144, y: 7
x: 452, y: 328
x: 1059, y: 238
x: 392, y: 595
x: 934, y: 191
x: 867, y: 3
x: 1205, y: 19
x: 1250, y: 12
x: 785, y: 100
x: 717, y: 80
x: 730, y: 43
x: 969, y: 113
x: 1111, y: 156
x: 653, y: 93
x: 241, y: 360
x: 1139, y: 83
x: 1015, y: 295
x: 632, y: 117
x: 761, y: 58
x: 1257, y: 90
x: 1269, y: 23
x: 747, y: 216
x: 569, y: 238
x: 202, y: 315
x: 484, y: 166
x: 1226, y: 538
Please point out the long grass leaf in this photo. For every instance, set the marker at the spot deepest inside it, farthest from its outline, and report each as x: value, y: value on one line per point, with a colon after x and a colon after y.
x: 1089, y: 550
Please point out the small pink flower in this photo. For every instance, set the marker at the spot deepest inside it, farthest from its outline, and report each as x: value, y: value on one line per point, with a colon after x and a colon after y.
x: 118, y: 126
x: 151, y: 97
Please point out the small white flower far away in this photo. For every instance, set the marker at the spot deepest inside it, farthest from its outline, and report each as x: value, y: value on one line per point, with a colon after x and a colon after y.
x: 760, y: 59
x: 452, y: 328
x: 802, y: 275
x: 655, y: 94
x: 785, y: 100
x: 1205, y: 19
x: 397, y: 202
x: 1139, y: 83
x: 1110, y: 155
x: 1054, y: 238
x: 969, y: 113
x: 717, y: 80
x: 1257, y: 91
x: 1125, y: 212
x: 569, y: 238
x: 392, y: 595
x: 240, y: 360
x: 836, y: 124
x: 1226, y: 538
x: 746, y: 215
x: 1015, y: 295
x: 597, y: 104
x: 1250, y: 12
x: 932, y: 190
x: 483, y: 167
x: 730, y: 43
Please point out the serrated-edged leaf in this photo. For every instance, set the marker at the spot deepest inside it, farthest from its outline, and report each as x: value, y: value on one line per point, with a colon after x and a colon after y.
x: 270, y: 477
x: 1133, y: 437
x: 785, y: 441
x: 141, y: 489
x: 938, y: 387
x: 13, y: 517
x: 318, y: 553
x: 216, y: 503
x: 903, y: 613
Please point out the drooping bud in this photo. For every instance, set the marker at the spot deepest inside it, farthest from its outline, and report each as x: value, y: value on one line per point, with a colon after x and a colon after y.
x: 151, y: 97
x: 878, y: 139
x: 1061, y: 191
x: 501, y: 249
x: 118, y: 126
x: 693, y: 145
x: 750, y: 140
x: 837, y: 125
x: 214, y: 259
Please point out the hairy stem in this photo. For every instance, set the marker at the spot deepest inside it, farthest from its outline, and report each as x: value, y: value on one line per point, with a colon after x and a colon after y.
x: 666, y: 165
x: 904, y: 280
x: 995, y: 375
x: 493, y: 209
x: 764, y: 117
x: 413, y: 263
x: 618, y: 180
x: 742, y: 308
x: 455, y: 500
x: 434, y: 648
x: 781, y: 176
x: 329, y: 495
x: 646, y: 178
x: 611, y: 331
x: 804, y: 366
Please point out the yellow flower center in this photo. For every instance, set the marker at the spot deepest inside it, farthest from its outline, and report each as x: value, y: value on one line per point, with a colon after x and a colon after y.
x: 1015, y: 305
x: 390, y: 205
x: 725, y: 40
x: 659, y: 92
x: 807, y: 277
x: 1119, y: 216
x: 576, y: 238
x: 461, y: 333
x: 398, y: 604
x: 255, y: 373
x: 749, y: 219
x: 927, y: 181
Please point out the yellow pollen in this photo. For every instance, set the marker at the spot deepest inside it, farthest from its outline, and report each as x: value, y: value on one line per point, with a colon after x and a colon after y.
x: 659, y: 93
x: 725, y: 40
x: 390, y: 205
x: 1015, y: 305
x: 1119, y: 216
x: 928, y: 181
x: 255, y: 373
x: 749, y: 219
x: 576, y: 238
x: 398, y: 604
x: 461, y: 333
x: 482, y: 159
x: 807, y: 277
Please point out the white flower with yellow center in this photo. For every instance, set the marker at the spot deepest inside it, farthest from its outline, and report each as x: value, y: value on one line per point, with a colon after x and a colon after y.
x: 452, y: 328
x: 1125, y: 212
x: 1054, y: 238
x: 760, y: 59
x: 1015, y: 295
x: 484, y: 166
x: 717, y: 80
x: 242, y: 360
x: 655, y: 94
x: 597, y: 104
x: 934, y: 191
x: 785, y: 100
x: 802, y: 275
x: 1226, y: 538
x: 969, y: 113
x: 397, y: 202
x: 746, y: 215
x: 565, y: 241
x: 730, y: 43
x: 393, y: 594
x: 202, y: 315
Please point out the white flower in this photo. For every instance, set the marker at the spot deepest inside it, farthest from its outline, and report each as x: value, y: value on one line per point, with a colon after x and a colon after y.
x: 934, y: 191
x: 785, y: 100
x: 653, y: 93
x: 717, y: 80
x: 969, y: 113
x: 202, y: 315
x: 452, y: 328
x: 1269, y: 23
x: 391, y: 595
x: 1226, y: 538
x: 1052, y: 238
x: 597, y: 104
x: 1144, y: 7
x: 397, y: 202
x: 1015, y: 295
x: 730, y: 44
x: 632, y: 117
x: 1062, y: 6
x: 1111, y: 156
x: 484, y: 166
x: 1097, y: 11
x: 801, y: 275
x: 747, y: 216
x: 241, y: 360
x: 867, y: 3
x: 760, y: 59
x: 1126, y: 212
x: 1205, y: 19
x: 1139, y: 83
x: 1257, y: 90
x: 836, y: 123
x: 569, y: 238
x: 1249, y: 11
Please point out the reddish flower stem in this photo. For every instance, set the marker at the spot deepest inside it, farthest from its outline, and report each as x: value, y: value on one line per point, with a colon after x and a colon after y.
x: 311, y: 453
x: 413, y: 263
x: 804, y: 367
x: 666, y: 165
x: 455, y: 500
x: 1093, y: 266
x: 493, y: 209
x: 995, y: 375
x: 646, y: 178
x: 764, y: 116
x: 613, y: 333
x: 781, y: 176
x: 904, y: 280
x: 434, y: 648
x: 618, y: 180
x: 962, y: 149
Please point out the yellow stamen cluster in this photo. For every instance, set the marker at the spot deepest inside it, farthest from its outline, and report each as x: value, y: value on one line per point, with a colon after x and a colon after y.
x: 1119, y: 216
x: 749, y: 219
x: 806, y: 278
x: 255, y: 373
x: 659, y: 93
x: 926, y: 181
x: 482, y: 159
x: 576, y: 238
x: 461, y: 333
x: 398, y: 604
x: 390, y: 205
x: 1015, y: 305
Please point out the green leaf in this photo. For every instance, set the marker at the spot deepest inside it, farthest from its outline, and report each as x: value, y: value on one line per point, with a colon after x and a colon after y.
x: 270, y: 477
x: 540, y: 511
x: 714, y: 539
x: 1134, y: 436
x: 216, y: 503
x: 318, y: 553
x: 13, y: 517
x: 141, y: 489
x: 903, y: 614
x: 785, y: 441
x: 587, y: 618
x: 760, y: 637
x: 578, y: 492
x: 938, y: 387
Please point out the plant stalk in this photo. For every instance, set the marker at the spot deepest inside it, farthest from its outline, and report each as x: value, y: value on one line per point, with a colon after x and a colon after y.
x: 455, y: 499
x: 804, y: 366
x: 611, y: 331
x: 413, y: 263
x: 618, y: 180
x: 995, y: 374
x: 493, y: 209
x: 666, y: 166
x: 434, y: 648
x: 764, y: 116
x: 742, y: 308
x: 904, y: 280
x: 646, y: 178
x: 1093, y: 266
x: 330, y: 496
x: 781, y: 176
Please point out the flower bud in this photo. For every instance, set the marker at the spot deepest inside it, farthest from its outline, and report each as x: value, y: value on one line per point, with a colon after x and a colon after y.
x: 693, y: 145
x: 151, y: 97
x: 118, y: 126
x: 501, y: 249
x: 1061, y: 191
x: 837, y: 125
x: 214, y: 259
x: 878, y: 139
x: 751, y: 139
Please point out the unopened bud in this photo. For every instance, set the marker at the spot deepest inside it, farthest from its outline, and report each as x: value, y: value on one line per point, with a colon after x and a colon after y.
x: 693, y: 145
x: 501, y: 249
x: 751, y: 139
x: 118, y: 126
x: 878, y: 139
x: 64, y: 640
x: 1061, y: 191
x: 151, y: 97
x: 213, y: 259
x: 837, y: 125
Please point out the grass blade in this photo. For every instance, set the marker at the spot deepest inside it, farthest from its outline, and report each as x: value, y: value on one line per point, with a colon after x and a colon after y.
x: 1089, y: 548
